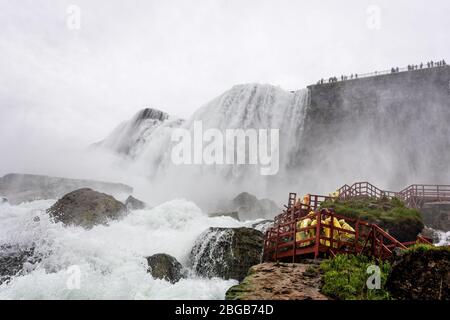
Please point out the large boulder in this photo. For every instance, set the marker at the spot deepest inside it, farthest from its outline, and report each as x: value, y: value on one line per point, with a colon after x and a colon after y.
x: 86, y: 208
x: 436, y: 215
x: 422, y: 273
x: 13, y: 259
x: 227, y: 253
x: 164, y: 266
x: 134, y: 204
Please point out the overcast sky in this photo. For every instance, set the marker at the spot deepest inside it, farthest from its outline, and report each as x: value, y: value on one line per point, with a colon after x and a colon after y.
x: 59, y: 85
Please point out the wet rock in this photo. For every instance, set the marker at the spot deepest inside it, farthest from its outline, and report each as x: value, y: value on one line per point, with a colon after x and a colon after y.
x: 164, y: 266
x: 134, y: 204
x: 13, y: 259
x: 421, y: 274
x: 403, y: 230
x: 3, y: 200
x: 279, y: 281
x: 227, y: 253
x: 86, y: 208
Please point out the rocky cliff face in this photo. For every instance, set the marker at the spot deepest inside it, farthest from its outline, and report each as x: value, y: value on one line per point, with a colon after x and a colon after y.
x: 19, y: 188
x: 391, y: 128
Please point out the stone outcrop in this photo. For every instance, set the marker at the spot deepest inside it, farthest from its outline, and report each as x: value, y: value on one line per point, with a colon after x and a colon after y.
x: 27, y: 187
x: 227, y: 253
x: 361, y: 125
x: 279, y: 281
x: 421, y: 274
x: 164, y: 266
x: 86, y: 208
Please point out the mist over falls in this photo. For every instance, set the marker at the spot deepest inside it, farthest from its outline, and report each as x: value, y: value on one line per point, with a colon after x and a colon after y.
x: 391, y: 130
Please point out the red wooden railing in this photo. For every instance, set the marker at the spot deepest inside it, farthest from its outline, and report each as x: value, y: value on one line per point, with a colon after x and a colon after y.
x: 281, y: 242
x: 416, y: 195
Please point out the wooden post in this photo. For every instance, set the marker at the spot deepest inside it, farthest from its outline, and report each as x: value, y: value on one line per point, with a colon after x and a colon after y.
x: 317, y: 244
x: 295, y: 241
x: 331, y: 230
x: 276, y: 243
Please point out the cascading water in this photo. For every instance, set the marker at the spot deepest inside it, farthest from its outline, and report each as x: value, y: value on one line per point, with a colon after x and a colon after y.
x: 211, y: 244
x: 250, y: 106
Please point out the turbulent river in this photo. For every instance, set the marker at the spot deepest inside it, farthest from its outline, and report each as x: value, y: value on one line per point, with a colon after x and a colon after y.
x: 111, y: 258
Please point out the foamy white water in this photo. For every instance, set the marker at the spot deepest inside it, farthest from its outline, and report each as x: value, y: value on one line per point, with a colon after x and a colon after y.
x: 444, y: 238
x: 111, y: 258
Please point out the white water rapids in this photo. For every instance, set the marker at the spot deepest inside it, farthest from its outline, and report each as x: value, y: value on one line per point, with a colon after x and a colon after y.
x: 111, y: 258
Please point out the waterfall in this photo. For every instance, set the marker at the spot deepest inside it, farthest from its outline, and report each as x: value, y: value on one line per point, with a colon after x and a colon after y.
x: 209, y: 251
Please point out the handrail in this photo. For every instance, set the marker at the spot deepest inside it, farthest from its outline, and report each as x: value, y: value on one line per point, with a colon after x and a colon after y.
x: 357, y: 76
x: 281, y: 238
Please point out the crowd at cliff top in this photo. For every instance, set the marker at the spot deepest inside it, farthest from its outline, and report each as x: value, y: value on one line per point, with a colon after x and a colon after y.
x: 430, y: 64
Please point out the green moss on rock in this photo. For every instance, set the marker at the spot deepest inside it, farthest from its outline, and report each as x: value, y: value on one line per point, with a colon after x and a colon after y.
x: 390, y: 214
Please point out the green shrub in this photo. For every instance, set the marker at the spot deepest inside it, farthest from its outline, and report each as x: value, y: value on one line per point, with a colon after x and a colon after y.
x: 345, y: 278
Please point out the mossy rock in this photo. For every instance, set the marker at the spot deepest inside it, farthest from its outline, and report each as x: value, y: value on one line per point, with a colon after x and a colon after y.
x: 421, y: 273
x: 86, y: 208
x: 391, y: 214
x: 227, y: 253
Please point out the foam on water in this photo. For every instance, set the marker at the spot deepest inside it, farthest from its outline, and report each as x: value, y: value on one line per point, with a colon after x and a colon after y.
x: 444, y: 238
x: 111, y: 258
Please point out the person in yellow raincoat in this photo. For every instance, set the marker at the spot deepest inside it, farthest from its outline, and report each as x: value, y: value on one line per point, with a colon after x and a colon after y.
x: 307, y: 200
x: 302, y: 235
x: 344, y: 235
x: 327, y: 231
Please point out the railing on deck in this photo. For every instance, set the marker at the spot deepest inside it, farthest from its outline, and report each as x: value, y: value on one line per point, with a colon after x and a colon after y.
x: 287, y: 241
x: 281, y: 240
